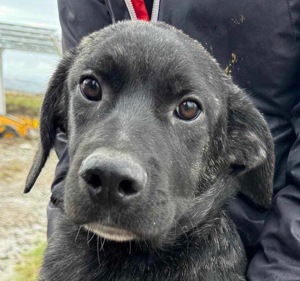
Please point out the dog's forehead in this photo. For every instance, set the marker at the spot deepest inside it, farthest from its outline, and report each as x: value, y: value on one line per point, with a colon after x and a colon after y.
x: 141, y: 48
x: 149, y: 52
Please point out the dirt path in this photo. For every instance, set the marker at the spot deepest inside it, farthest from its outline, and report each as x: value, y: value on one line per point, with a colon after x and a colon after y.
x: 22, y: 217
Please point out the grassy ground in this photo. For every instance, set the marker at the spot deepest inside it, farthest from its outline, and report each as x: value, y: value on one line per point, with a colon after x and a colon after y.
x: 23, y: 216
x: 23, y: 220
x: 29, y: 266
x: 8, y: 170
x: 23, y: 104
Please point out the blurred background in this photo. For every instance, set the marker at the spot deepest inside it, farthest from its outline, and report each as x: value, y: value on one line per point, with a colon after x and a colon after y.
x: 30, y: 48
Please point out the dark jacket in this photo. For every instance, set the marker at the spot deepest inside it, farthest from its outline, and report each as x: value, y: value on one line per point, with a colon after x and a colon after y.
x: 257, y: 43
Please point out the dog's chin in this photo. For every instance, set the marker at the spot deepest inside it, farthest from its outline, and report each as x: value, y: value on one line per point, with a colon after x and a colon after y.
x: 111, y: 233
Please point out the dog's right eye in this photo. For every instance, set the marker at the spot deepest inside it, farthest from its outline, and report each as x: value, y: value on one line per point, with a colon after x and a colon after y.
x: 91, y: 89
x: 188, y: 110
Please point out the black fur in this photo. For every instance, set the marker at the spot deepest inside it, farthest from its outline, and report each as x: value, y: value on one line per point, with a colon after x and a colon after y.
x: 193, y: 168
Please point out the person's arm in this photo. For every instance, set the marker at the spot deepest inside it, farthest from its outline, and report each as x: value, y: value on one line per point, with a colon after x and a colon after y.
x: 278, y: 257
x: 80, y: 18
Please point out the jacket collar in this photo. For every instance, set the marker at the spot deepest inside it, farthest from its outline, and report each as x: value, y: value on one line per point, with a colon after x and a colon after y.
x: 123, y: 9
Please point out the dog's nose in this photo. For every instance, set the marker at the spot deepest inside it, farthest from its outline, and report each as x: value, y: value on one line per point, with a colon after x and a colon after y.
x: 113, y: 177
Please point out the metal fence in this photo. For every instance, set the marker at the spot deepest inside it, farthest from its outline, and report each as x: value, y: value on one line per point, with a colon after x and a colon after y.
x: 26, y: 38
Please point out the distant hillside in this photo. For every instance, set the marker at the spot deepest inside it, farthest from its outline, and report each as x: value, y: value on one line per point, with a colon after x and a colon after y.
x: 27, y: 72
x: 23, y: 103
x: 25, y: 86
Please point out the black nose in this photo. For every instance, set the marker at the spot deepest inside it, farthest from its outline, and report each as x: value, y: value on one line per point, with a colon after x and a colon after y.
x: 113, y: 177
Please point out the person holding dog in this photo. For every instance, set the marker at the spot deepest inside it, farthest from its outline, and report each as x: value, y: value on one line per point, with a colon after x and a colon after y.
x: 262, y: 57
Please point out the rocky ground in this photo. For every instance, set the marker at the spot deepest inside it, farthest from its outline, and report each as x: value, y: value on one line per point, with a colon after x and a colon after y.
x: 22, y: 216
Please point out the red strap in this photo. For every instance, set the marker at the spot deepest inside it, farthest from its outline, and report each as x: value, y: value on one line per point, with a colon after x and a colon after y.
x: 140, y: 9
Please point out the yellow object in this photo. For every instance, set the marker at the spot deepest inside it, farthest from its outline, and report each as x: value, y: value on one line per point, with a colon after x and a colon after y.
x: 12, y: 127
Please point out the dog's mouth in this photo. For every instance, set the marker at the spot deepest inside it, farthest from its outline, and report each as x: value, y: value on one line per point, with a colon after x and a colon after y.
x: 111, y: 233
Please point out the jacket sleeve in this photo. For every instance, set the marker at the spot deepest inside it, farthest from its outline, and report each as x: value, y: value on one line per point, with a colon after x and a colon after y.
x: 278, y: 257
x: 78, y: 20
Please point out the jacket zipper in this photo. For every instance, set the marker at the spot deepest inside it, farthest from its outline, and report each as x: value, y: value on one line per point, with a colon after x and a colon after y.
x: 155, y: 10
x: 154, y: 14
x: 131, y: 9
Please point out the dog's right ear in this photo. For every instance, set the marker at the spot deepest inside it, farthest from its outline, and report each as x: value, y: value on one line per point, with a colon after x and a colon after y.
x: 53, y: 116
x: 250, y: 149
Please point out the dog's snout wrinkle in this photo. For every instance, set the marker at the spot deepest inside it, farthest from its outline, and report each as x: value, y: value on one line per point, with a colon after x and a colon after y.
x: 113, y: 176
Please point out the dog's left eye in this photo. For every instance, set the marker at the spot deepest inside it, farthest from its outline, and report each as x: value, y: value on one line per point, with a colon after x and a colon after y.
x: 188, y: 110
x: 91, y: 89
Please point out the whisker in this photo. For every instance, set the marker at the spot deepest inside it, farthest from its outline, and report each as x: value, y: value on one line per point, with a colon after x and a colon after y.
x: 102, y: 244
x: 139, y: 243
x: 183, y: 231
x: 78, y: 233
x: 155, y: 250
x: 191, y: 221
x: 88, y: 234
x: 88, y: 242
x: 98, y: 251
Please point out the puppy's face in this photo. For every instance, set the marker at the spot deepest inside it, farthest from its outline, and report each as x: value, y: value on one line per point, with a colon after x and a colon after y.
x: 141, y: 121
x: 148, y: 118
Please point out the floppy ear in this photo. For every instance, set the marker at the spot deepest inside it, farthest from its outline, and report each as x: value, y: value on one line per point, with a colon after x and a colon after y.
x: 53, y: 116
x: 250, y: 149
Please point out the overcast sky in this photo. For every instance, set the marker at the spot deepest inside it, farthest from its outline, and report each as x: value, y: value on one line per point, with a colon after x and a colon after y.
x: 24, y: 70
x: 42, y: 13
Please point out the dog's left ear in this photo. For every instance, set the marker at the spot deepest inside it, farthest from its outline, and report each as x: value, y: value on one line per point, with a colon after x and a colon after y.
x: 53, y: 116
x: 250, y: 149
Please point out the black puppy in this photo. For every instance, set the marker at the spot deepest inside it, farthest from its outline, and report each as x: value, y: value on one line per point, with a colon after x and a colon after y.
x: 160, y: 140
